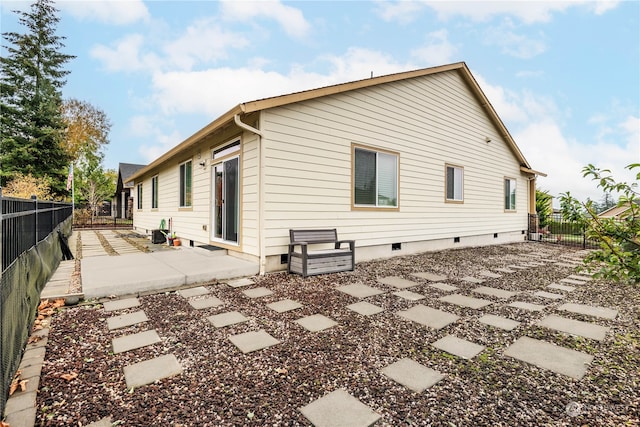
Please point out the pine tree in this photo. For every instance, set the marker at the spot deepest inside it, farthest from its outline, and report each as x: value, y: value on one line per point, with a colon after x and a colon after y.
x: 31, y: 80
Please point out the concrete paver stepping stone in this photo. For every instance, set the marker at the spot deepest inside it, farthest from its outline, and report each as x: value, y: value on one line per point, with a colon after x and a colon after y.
x: 499, y: 322
x: 253, y: 341
x: 359, y: 290
x: 443, y: 287
x: 257, y: 292
x: 527, y: 306
x: 517, y: 267
x: 572, y: 281
x: 432, y: 277
x: 227, y: 319
x: 133, y: 341
x: 121, y: 304
x: 494, y: 292
x: 465, y: 301
x: 411, y: 296
x: 284, y: 305
x: 364, y: 308
x: 561, y: 287
x: 471, y: 279
x: 412, y: 374
x: 152, y: 370
x: 316, y: 322
x: 238, y: 283
x: 505, y: 270
x: 549, y: 356
x: 125, y: 320
x: 202, y: 303
x: 193, y: 292
x: 548, y: 295
x: 489, y: 274
x: 458, y: 347
x: 574, y: 327
x: 103, y: 422
x: 589, y: 310
x: 567, y: 264
x: 397, y: 282
x: 427, y: 316
x: 582, y: 278
x: 339, y: 408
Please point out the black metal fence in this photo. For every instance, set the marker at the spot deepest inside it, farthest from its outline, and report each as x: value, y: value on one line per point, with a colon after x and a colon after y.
x: 556, y: 229
x: 84, y: 217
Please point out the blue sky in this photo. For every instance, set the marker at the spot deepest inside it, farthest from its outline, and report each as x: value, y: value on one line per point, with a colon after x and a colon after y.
x: 563, y: 76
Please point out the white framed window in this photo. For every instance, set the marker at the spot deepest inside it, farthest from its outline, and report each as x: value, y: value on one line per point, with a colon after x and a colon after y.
x: 454, y: 183
x: 139, y: 198
x: 375, y: 178
x: 154, y: 192
x: 509, y: 194
x: 185, y: 184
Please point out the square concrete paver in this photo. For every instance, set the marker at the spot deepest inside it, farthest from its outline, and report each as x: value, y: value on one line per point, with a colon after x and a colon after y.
x: 125, y: 320
x: 549, y: 356
x: 548, y: 295
x: 494, y: 292
x: 432, y: 277
x: 517, y: 267
x: 603, y: 312
x: 444, y: 287
x: 238, y: 283
x: 489, y: 274
x: 408, y: 295
x: 580, y: 277
x: 397, y: 282
x: 427, y: 316
x: 339, y: 409
x: 505, y: 270
x: 133, y: 341
x: 526, y: 306
x: 412, y: 375
x: 121, y: 304
x: 365, y: 308
x: 193, y: 292
x: 568, y: 264
x: 253, y: 341
x: 574, y: 327
x: 226, y: 319
x: 284, y: 305
x: 359, y: 290
x: 458, y: 347
x: 499, y: 322
x: 561, y: 287
x: 258, y: 292
x: 471, y: 279
x: 573, y: 281
x: 201, y: 304
x: 316, y: 322
x: 465, y: 301
x: 152, y: 370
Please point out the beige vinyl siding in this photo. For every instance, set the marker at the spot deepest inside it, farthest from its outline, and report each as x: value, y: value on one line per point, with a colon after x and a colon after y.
x: 250, y: 195
x: 430, y: 121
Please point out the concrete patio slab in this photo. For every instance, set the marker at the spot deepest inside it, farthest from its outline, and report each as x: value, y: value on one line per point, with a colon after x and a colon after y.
x: 548, y: 295
x: 412, y: 375
x: 152, y: 370
x: 316, y: 323
x: 465, y: 301
x: 443, y: 287
x: 589, y: 310
x: 339, y: 409
x: 193, y: 292
x: 120, y: 304
x: 505, y: 270
x: 359, y: 290
x: 125, y: 320
x: 284, y: 305
x: 572, y: 281
x: 253, y: 341
x: 489, y: 274
x: 458, y: 347
x: 226, y: 319
x: 133, y: 341
x: 526, y: 306
x: 202, y: 303
x: 561, y: 287
x: 257, y: 292
x: 432, y: 277
x: 499, y: 322
x: 408, y: 295
x: 549, y: 356
x: 238, y: 283
x: 494, y: 292
x: 574, y: 327
x: 364, y: 308
x: 427, y: 316
x: 471, y: 279
x: 397, y: 282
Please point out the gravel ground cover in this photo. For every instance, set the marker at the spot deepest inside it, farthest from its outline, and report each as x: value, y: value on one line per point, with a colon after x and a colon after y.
x: 220, y: 386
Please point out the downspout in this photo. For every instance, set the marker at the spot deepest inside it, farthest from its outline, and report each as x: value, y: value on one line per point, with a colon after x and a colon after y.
x: 263, y: 257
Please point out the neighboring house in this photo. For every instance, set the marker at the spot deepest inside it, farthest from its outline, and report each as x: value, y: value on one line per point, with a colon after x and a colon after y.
x: 403, y: 163
x: 122, y: 204
x: 617, y: 212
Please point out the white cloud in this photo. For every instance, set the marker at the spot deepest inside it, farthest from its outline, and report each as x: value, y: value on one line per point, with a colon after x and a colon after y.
x: 290, y: 19
x: 150, y: 128
x: 602, y: 6
x: 511, y: 43
x: 118, y: 12
x: 401, y: 11
x: 437, y: 50
x: 126, y: 55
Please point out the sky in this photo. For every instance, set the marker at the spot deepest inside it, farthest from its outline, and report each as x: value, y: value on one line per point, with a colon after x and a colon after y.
x: 564, y: 77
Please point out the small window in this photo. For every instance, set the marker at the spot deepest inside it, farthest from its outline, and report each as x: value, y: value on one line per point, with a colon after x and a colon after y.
x: 139, y: 196
x: 375, y: 178
x: 185, y: 184
x: 509, y: 194
x: 454, y: 183
x: 226, y: 150
x: 154, y: 192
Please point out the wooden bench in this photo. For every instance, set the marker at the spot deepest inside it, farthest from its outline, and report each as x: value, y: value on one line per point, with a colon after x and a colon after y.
x: 320, y: 261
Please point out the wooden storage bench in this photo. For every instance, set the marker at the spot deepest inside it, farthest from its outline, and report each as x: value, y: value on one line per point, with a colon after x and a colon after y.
x: 320, y: 261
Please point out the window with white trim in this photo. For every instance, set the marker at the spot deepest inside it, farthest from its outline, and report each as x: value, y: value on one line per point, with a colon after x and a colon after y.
x: 509, y: 194
x: 454, y: 183
x: 375, y: 178
x: 139, y: 201
x: 185, y: 184
x: 154, y: 192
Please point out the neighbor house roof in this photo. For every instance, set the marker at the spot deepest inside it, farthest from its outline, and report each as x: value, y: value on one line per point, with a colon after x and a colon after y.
x: 125, y: 171
x: 277, y: 101
x: 616, y: 211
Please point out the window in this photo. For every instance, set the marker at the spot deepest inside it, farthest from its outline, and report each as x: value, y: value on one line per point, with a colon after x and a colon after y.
x: 375, y: 179
x: 139, y: 196
x: 509, y: 194
x: 185, y: 184
x: 454, y: 183
x: 154, y: 192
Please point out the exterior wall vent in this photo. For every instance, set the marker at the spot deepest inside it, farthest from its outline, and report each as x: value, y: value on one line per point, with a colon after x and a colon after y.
x: 396, y: 246
x: 284, y: 258
x: 495, y: 235
x: 456, y: 240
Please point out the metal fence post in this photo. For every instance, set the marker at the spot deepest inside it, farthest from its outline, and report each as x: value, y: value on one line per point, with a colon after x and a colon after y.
x: 35, y: 213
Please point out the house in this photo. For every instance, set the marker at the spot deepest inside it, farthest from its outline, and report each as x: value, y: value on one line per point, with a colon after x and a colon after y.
x: 122, y: 204
x: 620, y: 213
x: 402, y: 163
